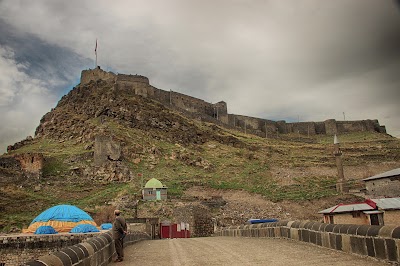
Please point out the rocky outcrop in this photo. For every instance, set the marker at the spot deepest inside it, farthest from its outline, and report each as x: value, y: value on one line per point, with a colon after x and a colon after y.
x: 19, y: 144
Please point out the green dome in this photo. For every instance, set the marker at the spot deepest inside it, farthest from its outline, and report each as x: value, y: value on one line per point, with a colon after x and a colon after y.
x: 153, y: 183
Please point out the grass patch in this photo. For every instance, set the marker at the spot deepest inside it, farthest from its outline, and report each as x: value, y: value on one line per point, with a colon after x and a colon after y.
x: 107, y: 193
x: 53, y: 166
x: 52, y: 148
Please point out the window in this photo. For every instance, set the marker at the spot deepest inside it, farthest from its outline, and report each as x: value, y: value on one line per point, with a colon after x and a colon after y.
x: 376, y: 219
x: 331, y: 219
x: 356, y: 214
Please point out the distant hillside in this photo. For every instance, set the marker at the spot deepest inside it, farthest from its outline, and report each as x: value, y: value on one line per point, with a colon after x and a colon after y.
x: 90, y: 149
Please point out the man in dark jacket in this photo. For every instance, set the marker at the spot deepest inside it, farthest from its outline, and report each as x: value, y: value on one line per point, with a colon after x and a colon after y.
x: 119, y: 231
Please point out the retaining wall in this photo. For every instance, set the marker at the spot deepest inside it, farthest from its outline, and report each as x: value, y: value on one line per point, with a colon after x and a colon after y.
x: 62, y: 249
x: 381, y: 242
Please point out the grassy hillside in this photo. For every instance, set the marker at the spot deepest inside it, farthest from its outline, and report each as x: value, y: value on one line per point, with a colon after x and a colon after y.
x: 276, y: 169
x: 183, y: 154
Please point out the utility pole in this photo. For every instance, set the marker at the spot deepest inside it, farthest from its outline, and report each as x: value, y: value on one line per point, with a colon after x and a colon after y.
x: 344, y: 117
x: 245, y: 127
x: 170, y: 97
x: 141, y: 180
x: 266, y: 132
x: 338, y: 156
x: 214, y: 112
x: 136, y: 204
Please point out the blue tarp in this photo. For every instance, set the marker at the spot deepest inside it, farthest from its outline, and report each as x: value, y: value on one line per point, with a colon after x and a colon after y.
x: 106, y: 226
x: 45, y: 229
x: 65, y: 213
x: 258, y: 221
x: 84, y: 228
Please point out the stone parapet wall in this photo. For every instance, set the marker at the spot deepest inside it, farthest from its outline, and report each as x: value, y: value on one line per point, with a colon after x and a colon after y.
x: 62, y: 249
x: 133, y: 78
x: 17, y: 249
x: 381, y: 242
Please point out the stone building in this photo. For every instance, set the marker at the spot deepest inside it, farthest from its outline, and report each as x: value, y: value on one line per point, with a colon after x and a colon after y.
x: 154, y: 190
x: 386, y: 184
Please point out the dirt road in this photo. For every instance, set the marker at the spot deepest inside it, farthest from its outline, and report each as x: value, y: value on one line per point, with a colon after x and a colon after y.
x: 236, y: 251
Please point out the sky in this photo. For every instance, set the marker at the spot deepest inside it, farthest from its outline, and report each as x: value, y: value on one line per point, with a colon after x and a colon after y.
x: 293, y: 60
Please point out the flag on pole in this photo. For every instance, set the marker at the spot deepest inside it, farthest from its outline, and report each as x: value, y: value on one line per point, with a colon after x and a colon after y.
x: 95, y: 52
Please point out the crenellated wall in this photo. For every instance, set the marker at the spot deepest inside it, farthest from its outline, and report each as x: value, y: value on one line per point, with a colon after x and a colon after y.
x: 381, y: 242
x: 96, y: 74
x: 140, y: 85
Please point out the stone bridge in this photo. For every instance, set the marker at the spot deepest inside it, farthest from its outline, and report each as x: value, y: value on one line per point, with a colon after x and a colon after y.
x: 278, y: 243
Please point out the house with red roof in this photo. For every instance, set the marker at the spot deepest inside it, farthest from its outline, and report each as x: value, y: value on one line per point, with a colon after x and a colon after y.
x: 384, y: 211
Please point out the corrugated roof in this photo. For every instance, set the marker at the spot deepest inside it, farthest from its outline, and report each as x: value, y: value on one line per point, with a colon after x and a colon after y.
x: 383, y: 204
x: 372, y: 212
x: 348, y: 208
x: 387, y: 203
x: 393, y: 172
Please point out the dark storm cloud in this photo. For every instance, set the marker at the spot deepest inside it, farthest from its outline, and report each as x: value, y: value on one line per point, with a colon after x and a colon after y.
x: 35, y: 75
x: 42, y: 60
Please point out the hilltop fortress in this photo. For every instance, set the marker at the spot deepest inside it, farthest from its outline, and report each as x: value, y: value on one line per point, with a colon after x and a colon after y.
x: 218, y: 112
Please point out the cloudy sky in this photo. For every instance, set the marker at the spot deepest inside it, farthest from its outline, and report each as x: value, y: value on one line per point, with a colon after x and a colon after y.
x: 307, y: 60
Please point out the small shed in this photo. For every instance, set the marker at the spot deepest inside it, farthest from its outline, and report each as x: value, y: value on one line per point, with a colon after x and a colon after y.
x: 384, y: 211
x: 154, y: 190
x: 174, y: 230
x: 386, y: 184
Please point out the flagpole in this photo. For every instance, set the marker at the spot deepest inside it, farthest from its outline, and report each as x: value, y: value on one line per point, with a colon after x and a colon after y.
x: 95, y: 51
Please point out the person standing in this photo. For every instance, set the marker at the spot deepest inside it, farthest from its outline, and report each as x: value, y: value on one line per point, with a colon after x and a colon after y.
x: 119, y: 230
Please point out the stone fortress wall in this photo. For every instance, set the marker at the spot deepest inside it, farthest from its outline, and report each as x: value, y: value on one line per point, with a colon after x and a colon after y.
x: 140, y: 85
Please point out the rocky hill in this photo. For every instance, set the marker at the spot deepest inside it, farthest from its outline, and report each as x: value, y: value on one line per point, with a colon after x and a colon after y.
x: 98, y: 146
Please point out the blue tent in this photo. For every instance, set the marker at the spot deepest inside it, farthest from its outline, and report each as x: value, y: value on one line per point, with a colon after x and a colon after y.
x: 45, y: 229
x: 84, y: 228
x: 65, y: 213
x: 106, y: 226
x: 61, y: 217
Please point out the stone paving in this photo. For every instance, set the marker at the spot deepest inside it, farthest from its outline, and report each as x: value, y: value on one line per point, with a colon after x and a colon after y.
x: 237, y: 251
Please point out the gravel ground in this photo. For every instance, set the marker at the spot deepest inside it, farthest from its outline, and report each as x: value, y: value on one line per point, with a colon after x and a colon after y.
x: 237, y: 251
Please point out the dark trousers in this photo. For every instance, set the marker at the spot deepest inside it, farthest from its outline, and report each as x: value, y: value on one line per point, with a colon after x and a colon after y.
x: 119, y: 247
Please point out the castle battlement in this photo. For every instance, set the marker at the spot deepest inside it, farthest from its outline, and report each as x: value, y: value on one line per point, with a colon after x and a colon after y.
x: 218, y: 112
x: 132, y: 78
